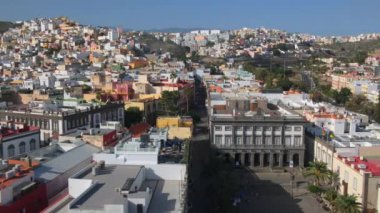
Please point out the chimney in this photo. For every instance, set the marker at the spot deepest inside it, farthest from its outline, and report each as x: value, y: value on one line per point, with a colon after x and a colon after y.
x: 253, y: 106
x: 357, y: 149
x: 352, y: 126
x: 30, y: 161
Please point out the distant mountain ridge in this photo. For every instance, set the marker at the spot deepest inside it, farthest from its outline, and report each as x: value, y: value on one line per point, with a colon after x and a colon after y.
x: 5, y: 25
x: 170, y: 30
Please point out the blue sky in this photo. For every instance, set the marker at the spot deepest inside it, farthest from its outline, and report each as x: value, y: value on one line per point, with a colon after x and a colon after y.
x: 322, y: 17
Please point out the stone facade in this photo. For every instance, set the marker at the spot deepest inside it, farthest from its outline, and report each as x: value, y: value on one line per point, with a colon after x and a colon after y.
x: 262, y: 143
x: 53, y: 124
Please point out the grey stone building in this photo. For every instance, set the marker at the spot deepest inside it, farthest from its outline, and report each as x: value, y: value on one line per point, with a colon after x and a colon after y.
x: 258, y: 134
x: 55, y: 121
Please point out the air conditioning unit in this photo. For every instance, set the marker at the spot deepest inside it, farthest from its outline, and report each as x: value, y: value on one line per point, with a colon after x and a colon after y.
x: 9, y: 174
x: 362, y: 166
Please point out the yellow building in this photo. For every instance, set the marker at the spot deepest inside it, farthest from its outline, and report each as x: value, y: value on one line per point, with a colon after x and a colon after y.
x: 168, y: 121
x: 359, y: 176
x: 179, y: 133
x: 180, y: 128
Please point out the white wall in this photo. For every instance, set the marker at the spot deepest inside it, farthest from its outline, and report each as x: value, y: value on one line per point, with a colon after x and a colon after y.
x: 116, y: 208
x: 128, y: 159
x: 6, y: 194
x: 16, y: 142
x: 78, y: 186
x: 166, y: 171
x: 139, y: 180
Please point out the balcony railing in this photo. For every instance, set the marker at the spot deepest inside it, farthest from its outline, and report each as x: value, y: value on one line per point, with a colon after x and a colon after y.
x: 258, y: 146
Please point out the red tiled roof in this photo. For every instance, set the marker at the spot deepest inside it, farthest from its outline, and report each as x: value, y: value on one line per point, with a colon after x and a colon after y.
x: 372, y: 165
x: 138, y: 129
x: 25, y: 170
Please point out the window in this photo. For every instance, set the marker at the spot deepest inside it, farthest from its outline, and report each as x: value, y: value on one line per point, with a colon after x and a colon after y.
x: 32, y: 145
x: 355, y: 184
x: 11, y: 151
x: 346, y: 176
x: 239, y: 128
x: 248, y: 140
x: 268, y: 128
x: 259, y: 128
x: 239, y: 140
x: 297, y: 141
x: 288, y: 140
x: 228, y: 140
x: 121, y: 113
x: 288, y: 128
x: 318, y: 153
x: 268, y: 140
x: 218, y: 128
x: 218, y: 139
x: 21, y: 147
x: 297, y: 128
x: 228, y: 128
x: 249, y: 128
x: 258, y: 140
x: 277, y: 140
x: 277, y: 128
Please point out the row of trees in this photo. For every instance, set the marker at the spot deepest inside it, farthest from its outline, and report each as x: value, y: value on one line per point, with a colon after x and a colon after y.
x: 356, y: 103
x: 275, y: 77
x: 326, y: 185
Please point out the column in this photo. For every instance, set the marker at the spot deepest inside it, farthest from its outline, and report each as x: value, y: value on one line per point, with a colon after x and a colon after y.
x: 270, y: 160
x: 290, y: 157
x: 252, y: 159
x: 281, y: 159
x: 262, y: 159
x: 301, y: 159
x: 50, y: 124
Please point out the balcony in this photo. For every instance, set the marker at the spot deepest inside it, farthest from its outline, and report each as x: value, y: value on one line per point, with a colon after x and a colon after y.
x: 258, y: 146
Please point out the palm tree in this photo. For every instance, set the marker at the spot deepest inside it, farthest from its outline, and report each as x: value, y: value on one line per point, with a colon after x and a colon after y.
x: 347, y: 204
x: 187, y: 93
x: 330, y: 196
x: 173, y: 75
x: 318, y: 171
x: 333, y: 180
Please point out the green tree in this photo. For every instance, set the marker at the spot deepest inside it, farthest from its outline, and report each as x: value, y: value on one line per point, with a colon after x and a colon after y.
x: 360, y: 104
x: 132, y: 115
x: 360, y: 57
x: 347, y: 204
x: 170, y: 101
x: 330, y: 195
x: 188, y: 93
x: 333, y: 180
x: 344, y: 95
x: 284, y: 83
x: 210, y: 44
x: 377, y: 110
x: 318, y: 171
x: 316, y: 96
x: 86, y: 88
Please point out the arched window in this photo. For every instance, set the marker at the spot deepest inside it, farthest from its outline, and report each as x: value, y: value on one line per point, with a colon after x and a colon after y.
x: 32, y: 145
x: 21, y: 147
x: 11, y: 151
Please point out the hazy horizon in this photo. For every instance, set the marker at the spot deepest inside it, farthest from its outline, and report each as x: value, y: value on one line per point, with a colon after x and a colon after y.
x: 326, y: 18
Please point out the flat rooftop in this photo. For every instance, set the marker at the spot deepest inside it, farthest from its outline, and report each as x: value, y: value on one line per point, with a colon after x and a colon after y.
x: 95, y: 131
x: 64, y: 161
x: 109, y: 178
x: 166, y: 197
